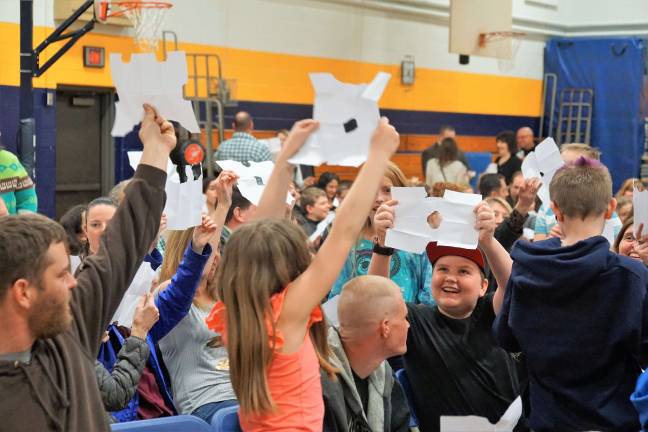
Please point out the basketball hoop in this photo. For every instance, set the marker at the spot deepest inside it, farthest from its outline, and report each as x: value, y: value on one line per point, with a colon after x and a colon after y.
x: 147, y: 18
x: 505, y: 44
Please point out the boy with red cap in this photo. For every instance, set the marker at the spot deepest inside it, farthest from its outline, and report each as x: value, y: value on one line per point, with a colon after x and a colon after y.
x: 452, y: 361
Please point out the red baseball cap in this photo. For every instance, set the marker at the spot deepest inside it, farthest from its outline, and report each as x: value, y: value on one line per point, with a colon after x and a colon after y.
x: 434, y: 252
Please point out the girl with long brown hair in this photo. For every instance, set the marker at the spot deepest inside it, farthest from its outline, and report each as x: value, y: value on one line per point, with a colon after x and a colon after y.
x: 270, y: 290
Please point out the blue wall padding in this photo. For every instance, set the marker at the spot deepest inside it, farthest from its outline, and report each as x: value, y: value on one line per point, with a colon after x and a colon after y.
x: 614, y: 69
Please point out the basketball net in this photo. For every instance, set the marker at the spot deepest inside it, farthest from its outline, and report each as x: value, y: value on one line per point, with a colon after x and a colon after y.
x: 147, y: 23
x: 505, y: 44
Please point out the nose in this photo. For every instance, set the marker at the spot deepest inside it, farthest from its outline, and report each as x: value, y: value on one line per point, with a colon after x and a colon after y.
x: 72, y: 282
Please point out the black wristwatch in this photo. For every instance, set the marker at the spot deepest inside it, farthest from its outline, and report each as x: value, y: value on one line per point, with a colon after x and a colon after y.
x: 381, y: 250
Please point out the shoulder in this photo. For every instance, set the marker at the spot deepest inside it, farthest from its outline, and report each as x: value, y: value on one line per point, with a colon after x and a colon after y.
x: 629, y: 265
x: 7, y: 157
x: 420, y: 313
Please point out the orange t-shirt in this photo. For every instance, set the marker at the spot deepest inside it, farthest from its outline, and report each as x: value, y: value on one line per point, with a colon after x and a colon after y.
x: 293, y: 379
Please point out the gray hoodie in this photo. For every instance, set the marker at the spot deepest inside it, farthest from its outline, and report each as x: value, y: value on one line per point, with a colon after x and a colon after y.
x: 387, y: 408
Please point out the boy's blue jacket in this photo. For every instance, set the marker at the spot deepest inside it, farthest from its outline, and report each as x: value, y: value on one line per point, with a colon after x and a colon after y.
x: 173, y: 303
x: 578, y: 314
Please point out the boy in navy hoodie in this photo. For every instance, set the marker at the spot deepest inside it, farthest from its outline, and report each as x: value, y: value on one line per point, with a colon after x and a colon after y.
x: 576, y: 311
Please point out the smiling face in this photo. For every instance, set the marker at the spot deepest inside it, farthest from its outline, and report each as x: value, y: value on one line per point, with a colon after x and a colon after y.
x: 331, y: 189
x: 626, y: 246
x: 457, y: 284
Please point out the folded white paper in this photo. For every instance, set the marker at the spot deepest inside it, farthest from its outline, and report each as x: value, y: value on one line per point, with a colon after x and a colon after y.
x: 348, y: 115
x: 134, y: 158
x: 184, y: 202
x: 411, y: 230
x: 507, y: 422
x: 253, y: 178
x: 145, y: 80
x: 330, y: 309
x: 321, y: 227
x: 140, y: 286
x: 640, y: 209
x: 543, y: 164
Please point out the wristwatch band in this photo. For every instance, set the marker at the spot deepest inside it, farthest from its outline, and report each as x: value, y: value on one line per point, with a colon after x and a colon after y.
x: 380, y: 250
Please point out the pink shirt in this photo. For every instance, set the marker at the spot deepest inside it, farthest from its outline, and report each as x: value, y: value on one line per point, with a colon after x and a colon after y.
x: 293, y: 379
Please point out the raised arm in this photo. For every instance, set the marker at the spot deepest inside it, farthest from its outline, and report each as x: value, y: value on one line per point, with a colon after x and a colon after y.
x: 273, y: 200
x: 105, y: 276
x: 499, y: 260
x: 310, y: 288
x: 224, y: 185
x: 380, y: 263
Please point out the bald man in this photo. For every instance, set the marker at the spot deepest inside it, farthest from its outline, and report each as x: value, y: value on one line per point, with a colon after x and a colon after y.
x: 525, y: 141
x: 243, y: 147
x: 373, y: 327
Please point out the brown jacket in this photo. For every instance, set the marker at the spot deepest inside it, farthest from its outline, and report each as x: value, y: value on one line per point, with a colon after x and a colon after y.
x: 57, y: 390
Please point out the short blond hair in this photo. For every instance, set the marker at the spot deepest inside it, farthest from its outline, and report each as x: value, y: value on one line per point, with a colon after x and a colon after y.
x: 582, y: 188
x: 582, y: 149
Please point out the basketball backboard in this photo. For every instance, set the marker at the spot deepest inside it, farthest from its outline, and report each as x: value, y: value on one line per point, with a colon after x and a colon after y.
x: 471, y: 18
x: 64, y: 8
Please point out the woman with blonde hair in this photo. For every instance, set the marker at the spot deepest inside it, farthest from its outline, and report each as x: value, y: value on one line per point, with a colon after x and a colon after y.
x: 411, y: 272
x: 270, y: 290
x: 627, y: 188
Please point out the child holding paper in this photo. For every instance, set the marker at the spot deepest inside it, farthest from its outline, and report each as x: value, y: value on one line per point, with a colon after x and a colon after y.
x: 577, y: 311
x: 270, y: 290
x: 453, y: 363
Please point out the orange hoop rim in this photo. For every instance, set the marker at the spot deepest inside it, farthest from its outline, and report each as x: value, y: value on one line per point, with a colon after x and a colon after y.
x: 484, y: 38
x: 125, y: 6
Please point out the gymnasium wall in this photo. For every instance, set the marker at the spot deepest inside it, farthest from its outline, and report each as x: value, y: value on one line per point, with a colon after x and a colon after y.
x: 269, y: 47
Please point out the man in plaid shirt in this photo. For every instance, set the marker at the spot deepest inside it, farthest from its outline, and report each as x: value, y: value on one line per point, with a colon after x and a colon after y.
x: 243, y: 147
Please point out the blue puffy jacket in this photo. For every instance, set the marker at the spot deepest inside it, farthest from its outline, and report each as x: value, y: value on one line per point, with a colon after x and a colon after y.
x: 173, y: 303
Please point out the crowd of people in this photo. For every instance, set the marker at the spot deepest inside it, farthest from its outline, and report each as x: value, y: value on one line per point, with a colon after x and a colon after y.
x: 545, y: 309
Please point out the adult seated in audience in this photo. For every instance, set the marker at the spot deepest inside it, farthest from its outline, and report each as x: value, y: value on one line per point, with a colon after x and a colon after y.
x: 51, y: 324
x: 197, y: 362
x: 446, y: 167
x: 411, y: 272
x: 314, y: 206
x: 624, y: 208
x: 507, y: 161
x: 243, y: 147
x: 546, y: 225
x: 452, y: 361
x: 445, y: 131
x: 493, y: 185
x: 373, y: 327
x: 517, y: 180
x: 627, y: 188
x: 329, y: 183
x: 117, y: 387
x: 580, y: 336
x: 17, y: 189
x: 525, y: 141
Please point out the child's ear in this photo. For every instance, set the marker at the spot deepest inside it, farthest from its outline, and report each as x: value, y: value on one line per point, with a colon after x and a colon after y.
x: 484, y: 287
x: 559, y: 214
x: 309, y: 208
x: 612, y: 205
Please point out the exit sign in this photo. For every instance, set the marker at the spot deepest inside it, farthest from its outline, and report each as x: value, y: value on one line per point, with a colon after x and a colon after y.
x: 94, y: 57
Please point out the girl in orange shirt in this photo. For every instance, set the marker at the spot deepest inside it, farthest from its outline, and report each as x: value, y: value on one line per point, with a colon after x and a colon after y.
x: 270, y: 290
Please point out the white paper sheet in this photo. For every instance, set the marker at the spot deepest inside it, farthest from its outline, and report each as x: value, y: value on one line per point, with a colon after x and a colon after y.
x: 273, y: 144
x: 145, y: 80
x: 640, y: 209
x: 134, y: 158
x: 140, y: 286
x: 543, y: 164
x: 253, y: 178
x: 411, y: 230
x: 184, y: 202
x: 330, y: 309
x: 321, y: 227
x: 480, y: 424
x: 348, y: 115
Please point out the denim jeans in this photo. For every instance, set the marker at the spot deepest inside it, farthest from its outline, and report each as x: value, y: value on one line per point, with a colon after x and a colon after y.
x: 207, y: 411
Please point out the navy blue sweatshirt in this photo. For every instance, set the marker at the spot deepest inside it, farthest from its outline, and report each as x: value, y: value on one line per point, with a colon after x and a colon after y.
x: 577, y: 314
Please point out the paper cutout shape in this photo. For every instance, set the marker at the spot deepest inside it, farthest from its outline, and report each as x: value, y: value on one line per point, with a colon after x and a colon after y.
x: 411, y: 230
x: 140, y: 286
x: 134, y: 158
x: 253, y: 178
x: 640, y: 209
x: 348, y: 115
x: 507, y: 422
x: 543, y: 163
x: 321, y: 227
x: 184, y: 201
x: 145, y: 80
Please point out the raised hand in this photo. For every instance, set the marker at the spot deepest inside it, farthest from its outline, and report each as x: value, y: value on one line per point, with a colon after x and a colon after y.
x: 224, y: 185
x: 384, y: 220
x: 156, y: 130
x: 485, y: 222
x: 527, y: 195
x: 203, y: 234
x: 146, y: 315
x: 385, y: 138
x: 297, y: 137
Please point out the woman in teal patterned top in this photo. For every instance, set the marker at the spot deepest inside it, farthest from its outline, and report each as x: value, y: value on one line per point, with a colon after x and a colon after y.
x: 411, y: 272
x: 16, y: 188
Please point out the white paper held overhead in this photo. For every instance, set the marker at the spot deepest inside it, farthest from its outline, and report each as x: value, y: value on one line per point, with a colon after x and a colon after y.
x: 253, y: 178
x: 140, y: 285
x: 543, y: 163
x: 145, y: 80
x: 184, y: 201
x: 348, y: 115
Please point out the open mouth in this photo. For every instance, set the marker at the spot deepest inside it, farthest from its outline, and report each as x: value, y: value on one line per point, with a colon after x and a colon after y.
x: 449, y: 289
x: 635, y: 256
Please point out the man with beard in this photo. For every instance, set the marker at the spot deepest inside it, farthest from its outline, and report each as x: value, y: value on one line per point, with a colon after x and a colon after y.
x: 51, y: 324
